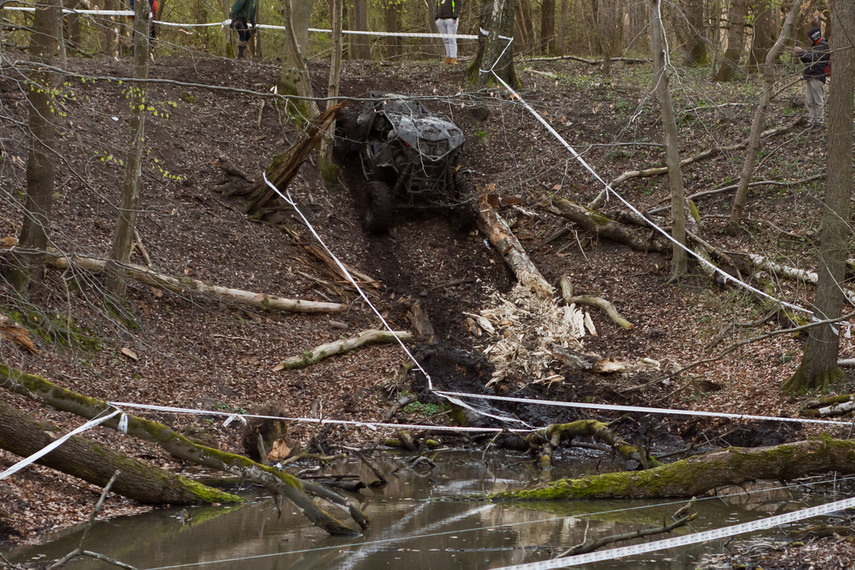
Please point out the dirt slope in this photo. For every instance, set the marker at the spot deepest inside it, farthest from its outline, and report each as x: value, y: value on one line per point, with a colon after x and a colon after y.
x: 211, y: 355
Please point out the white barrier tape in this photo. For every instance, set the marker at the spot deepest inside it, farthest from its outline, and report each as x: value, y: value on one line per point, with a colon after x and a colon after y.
x: 70, y: 11
x: 48, y: 448
x: 123, y: 424
x: 641, y: 409
x: 686, y: 540
x: 370, y: 425
x: 394, y: 34
x: 726, y: 276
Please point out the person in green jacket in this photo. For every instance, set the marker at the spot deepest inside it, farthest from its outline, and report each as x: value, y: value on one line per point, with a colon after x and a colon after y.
x: 243, y: 20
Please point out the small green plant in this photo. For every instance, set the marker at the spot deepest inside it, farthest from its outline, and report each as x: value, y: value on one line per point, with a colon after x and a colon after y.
x: 427, y: 410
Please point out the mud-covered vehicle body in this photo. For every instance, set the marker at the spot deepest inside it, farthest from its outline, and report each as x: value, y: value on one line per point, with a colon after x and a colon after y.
x: 410, y: 157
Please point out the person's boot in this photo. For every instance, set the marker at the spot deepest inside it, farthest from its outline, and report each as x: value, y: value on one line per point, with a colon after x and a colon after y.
x: 241, y: 51
x: 445, y: 60
x: 452, y: 60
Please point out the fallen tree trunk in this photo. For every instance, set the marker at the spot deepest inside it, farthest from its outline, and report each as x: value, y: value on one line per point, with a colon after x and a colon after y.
x: 602, y: 226
x: 703, y: 473
x: 830, y: 406
x: 96, y: 464
x: 184, y: 285
x: 503, y: 239
x: 371, y: 336
x: 276, y: 481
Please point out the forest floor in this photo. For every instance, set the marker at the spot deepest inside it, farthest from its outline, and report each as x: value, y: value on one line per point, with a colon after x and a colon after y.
x: 209, y: 355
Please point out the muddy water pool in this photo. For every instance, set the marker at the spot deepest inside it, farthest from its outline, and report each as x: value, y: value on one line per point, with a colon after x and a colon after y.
x: 414, y: 525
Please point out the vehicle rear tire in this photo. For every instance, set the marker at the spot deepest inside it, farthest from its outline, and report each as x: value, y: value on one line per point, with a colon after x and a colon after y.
x: 377, y: 215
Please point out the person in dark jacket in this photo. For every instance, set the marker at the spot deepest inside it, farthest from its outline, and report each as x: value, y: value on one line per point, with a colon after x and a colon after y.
x: 446, y: 22
x: 816, y: 60
x: 243, y: 20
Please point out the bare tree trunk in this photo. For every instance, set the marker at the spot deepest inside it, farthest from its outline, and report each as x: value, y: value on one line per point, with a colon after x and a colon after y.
x: 819, y: 368
x: 96, y: 464
x: 392, y: 12
x: 28, y: 259
x: 749, y: 164
x: 294, y: 78
x: 697, y: 51
x: 525, y: 40
x: 361, y: 45
x: 547, y: 27
x: 123, y: 238
x: 497, y: 18
x: 560, y: 40
x: 328, y: 168
x: 609, y: 22
x: 679, y: 261
x: 735, y: 41
x: 764, y: 31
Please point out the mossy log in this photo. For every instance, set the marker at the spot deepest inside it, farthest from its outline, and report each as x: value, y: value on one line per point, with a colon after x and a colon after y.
x: 604, y: 227
x: 830, y: 406
x: 184, y: 285
x: 371, y: 336
x: 699, y: 475
x: 503, y: 239
x: 556, y: 433
x: 276, y: 481
x: 96, y: 464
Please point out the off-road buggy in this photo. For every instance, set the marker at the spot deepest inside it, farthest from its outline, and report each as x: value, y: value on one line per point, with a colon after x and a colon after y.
x: 410, y: 158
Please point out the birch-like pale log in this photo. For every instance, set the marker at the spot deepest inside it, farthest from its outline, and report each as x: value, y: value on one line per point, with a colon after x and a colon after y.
x: 184, y: 285
x: 371, y: 336
x: 504, y: 240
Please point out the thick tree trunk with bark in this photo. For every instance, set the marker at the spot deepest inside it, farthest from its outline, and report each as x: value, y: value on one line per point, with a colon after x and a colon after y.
x: 699, y: 475
x: 750, y: 160
x: 359, y: 45
x: 494, y: 53
x: 326, y: 165
x: 547, y: 27
x: 818, y: 367
x: 276, y: 481
x: 697, y: 51
x: 28, y: 259
x: 735, y: 40
x: 294, y: 77
x: 96, y: 464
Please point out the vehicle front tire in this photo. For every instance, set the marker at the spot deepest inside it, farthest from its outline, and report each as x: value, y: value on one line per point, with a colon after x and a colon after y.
x: 377, y: 215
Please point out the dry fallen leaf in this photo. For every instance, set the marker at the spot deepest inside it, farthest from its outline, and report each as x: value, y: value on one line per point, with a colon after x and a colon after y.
x: 130, y: 353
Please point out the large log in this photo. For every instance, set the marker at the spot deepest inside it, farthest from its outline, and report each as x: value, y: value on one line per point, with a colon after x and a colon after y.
x: 512, y: 251
x: 276, y: 481
x: 184, y: 285
x: 602, y: 226
x: 703, y: 473
x: 96, y: 464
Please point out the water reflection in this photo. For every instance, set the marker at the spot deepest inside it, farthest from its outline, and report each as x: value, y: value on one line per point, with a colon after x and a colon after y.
x: 412, y: 526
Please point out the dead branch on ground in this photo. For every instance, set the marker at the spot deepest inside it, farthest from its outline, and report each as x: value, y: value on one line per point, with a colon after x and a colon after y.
x: 566, y: 287
x: 185, y: 285
x: 315, y: 355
